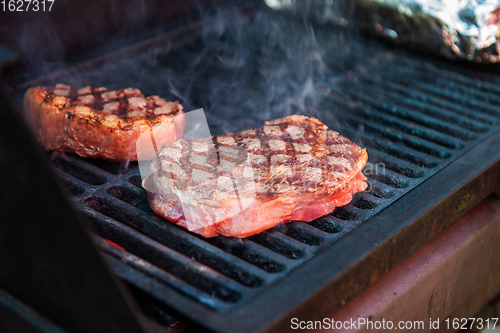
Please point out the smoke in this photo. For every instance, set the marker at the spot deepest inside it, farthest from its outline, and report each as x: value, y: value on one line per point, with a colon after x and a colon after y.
x: 251, y: 69
x: 242, y: 66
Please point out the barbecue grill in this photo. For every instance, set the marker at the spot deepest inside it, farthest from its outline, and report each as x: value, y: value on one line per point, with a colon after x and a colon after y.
x: 431, y: 128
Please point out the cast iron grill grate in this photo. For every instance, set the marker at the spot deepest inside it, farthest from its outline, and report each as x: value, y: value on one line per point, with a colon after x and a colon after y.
x: 414, y: 117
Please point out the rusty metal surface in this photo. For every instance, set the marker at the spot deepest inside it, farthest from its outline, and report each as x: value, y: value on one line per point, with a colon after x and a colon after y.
x: 439, y: 277
x: 479, y: 305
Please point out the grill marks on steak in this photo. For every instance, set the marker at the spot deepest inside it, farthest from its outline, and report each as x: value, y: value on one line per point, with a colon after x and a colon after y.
x: 124, y: 102
x: 239, y: 184
x: 97, y: 122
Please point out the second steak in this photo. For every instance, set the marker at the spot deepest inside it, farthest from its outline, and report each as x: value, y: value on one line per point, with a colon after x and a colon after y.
x: 240, y: 184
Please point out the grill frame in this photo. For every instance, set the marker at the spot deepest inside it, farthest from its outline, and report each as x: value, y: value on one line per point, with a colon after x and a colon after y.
x: 383, y: 244
x: 375, y: 246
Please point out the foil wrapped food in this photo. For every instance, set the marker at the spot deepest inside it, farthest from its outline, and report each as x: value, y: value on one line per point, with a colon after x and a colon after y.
x: 455, y: 29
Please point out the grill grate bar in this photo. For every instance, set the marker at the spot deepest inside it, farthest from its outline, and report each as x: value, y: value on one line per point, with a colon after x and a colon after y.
x: 466, y: 101
x: 413, y: 71
x: 411, y: 115
x: 440, y: 91
x: 349, y: 213
x: 380, y: 160
x: 400, y: 124
x: 131, y: 195
x: 172, y: 263
x: 452, y: 86
x: 468, y: 91
x: 169, y: 280
x: 427, y: 99
x: 303, y: 232
x: 365, y: 201
x: 184, y: 243
x: 392, y: 179
x: 331, y: 225
x: 451, y: 78
x: 132, y: 240
x: 74, y: 185
x: 385, y: 95
x: 80, y: 172
x: 281, y: 244
x: 380, y: 190
x: 335, y: 226
x: 391, y: 133
x: 254, y: 254
x: 412, y: 65
x: 394, y: 149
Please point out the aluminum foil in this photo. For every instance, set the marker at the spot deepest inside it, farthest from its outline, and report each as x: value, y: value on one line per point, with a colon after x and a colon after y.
x: 456, y: 29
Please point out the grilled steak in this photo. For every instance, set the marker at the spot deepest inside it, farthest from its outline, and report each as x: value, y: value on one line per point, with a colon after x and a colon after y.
x: 240, y: 184
x: 97, y: 122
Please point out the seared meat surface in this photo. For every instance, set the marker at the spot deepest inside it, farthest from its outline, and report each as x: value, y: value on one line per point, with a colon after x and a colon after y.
x: 240, y: 184
x: 97, y: 122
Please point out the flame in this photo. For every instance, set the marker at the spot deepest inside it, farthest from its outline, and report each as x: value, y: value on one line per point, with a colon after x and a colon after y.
x: 113, y: 243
